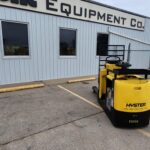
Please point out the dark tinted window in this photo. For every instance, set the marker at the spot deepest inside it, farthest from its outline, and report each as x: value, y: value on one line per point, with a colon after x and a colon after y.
x: 15, y: 39
x: 67, y: 42
x: 102, y: 44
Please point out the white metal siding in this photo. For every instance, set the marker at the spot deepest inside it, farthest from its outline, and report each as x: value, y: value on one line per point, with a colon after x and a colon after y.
x: 45, y: 62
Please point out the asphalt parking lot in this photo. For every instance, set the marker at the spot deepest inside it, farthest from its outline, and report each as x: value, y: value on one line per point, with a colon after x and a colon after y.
x: 62, y: 117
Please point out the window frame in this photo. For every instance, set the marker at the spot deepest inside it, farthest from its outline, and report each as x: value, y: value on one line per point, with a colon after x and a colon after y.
x: 2, y: 45
x: 97, y: 56
x: 68, y: 56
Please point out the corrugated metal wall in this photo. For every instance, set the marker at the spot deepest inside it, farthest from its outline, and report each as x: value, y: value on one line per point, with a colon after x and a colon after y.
x: 45, y: 62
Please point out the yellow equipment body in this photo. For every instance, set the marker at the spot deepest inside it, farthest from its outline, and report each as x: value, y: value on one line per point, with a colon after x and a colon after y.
x: 132, y: 95
x: 124, y: 96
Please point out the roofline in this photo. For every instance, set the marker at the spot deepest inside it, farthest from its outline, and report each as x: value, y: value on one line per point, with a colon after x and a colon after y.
x: 112, y: 7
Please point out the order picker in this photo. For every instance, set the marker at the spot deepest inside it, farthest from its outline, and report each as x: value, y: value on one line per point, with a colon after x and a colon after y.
x: 123, y: 93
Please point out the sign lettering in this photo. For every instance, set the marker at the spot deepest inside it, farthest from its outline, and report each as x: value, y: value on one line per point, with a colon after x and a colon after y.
x: 31, y: 3
x: 82, y: 10
x: 136, y: 105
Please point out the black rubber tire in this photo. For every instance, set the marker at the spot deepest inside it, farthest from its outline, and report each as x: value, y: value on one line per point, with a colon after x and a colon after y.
x: 98, y: 99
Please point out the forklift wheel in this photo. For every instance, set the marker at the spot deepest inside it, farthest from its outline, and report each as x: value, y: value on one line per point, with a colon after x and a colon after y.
x: 95, y: 90
x: 99, y: 100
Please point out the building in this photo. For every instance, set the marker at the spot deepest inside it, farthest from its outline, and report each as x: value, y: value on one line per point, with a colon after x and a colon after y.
x: 53, y: 39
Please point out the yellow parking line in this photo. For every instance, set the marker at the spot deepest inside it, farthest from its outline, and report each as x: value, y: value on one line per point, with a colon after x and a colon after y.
x: 145, y: 133
x: 82, y: 98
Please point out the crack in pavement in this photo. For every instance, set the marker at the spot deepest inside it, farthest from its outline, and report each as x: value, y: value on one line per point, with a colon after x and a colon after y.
x: 48, y: 129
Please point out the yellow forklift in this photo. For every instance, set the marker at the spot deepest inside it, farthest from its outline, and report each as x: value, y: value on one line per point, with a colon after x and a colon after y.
x: 123, y: 93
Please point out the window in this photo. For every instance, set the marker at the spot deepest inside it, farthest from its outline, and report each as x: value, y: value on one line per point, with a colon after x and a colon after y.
x: 15, y: 39
x: 67, y: 42
x: 102, y: 44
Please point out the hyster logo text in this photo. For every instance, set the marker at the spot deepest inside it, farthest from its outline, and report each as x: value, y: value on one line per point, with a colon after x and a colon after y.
x: 136, y: 105
x: 31, y: 3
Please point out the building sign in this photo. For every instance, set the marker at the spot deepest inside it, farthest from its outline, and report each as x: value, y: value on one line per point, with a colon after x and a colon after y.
x: 82, y: 10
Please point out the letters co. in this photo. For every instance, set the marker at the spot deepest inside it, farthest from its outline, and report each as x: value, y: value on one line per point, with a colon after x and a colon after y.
x: 81, y: 10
